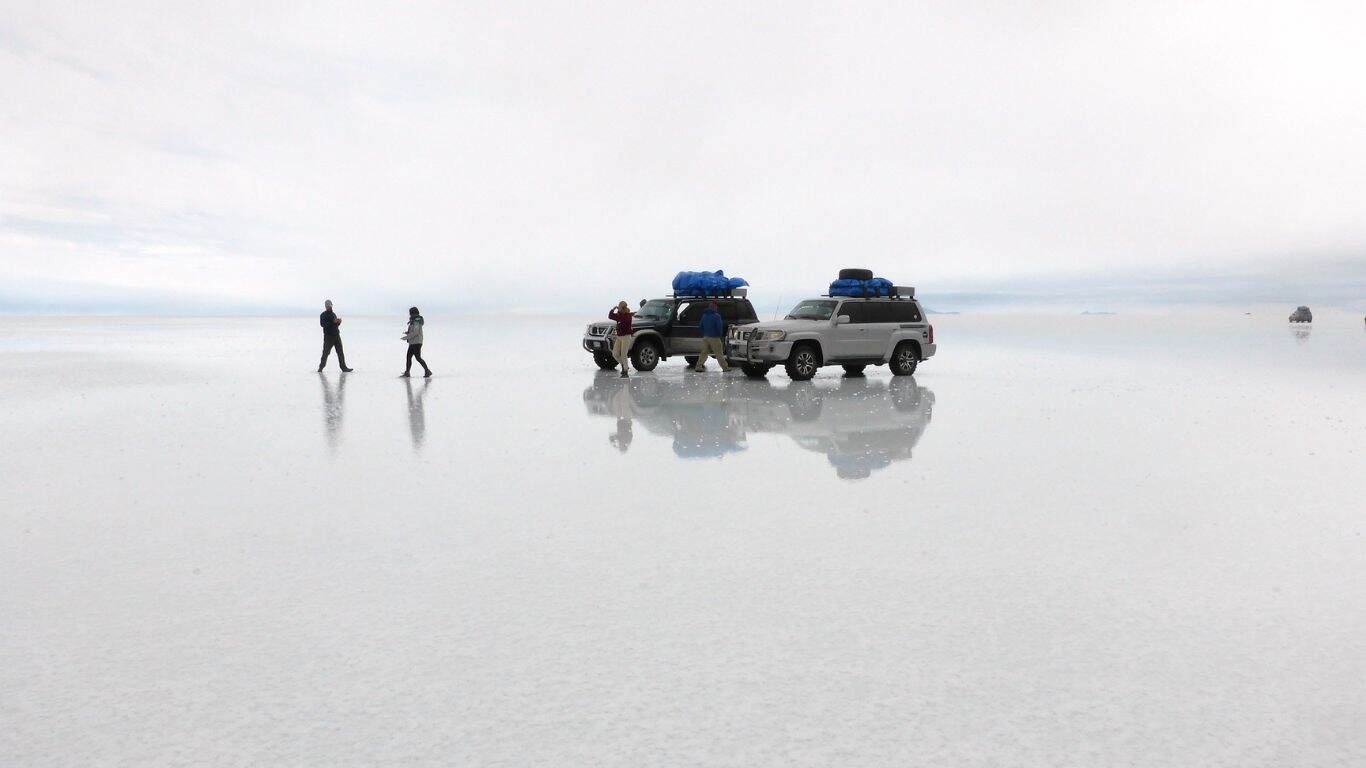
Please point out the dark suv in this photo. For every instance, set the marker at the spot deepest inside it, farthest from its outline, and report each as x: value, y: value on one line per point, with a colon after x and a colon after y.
x: 666, y: 327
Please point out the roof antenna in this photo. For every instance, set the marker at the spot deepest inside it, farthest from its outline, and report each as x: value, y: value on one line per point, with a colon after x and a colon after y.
x: 778, y: 306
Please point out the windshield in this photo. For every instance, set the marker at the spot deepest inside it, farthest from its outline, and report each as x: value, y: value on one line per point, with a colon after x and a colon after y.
x: 812, y: 309
x: 655, y: 310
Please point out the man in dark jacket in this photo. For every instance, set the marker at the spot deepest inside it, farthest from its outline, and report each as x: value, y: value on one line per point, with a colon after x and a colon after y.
x: 713, y: 329
x: 331, y: 337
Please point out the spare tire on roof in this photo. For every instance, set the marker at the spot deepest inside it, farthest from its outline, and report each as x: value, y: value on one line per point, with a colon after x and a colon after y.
x: 856, y: 274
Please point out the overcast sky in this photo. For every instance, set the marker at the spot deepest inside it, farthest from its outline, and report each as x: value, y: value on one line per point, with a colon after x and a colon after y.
x: 263, y: 156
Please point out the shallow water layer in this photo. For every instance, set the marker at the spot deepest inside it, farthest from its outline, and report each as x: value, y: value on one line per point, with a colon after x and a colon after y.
x: 1068, y: 540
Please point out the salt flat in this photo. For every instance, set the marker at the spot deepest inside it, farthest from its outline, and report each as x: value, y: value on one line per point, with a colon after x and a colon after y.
x: 1067, y: 541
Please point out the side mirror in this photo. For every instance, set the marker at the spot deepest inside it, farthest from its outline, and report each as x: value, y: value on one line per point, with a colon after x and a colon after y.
x: 841, y: 320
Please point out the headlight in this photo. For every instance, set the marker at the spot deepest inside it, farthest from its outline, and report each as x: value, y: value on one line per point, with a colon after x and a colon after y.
x: 774, y: 335
x: 590, y: 330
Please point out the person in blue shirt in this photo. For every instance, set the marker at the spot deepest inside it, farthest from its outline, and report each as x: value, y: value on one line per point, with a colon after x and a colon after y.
x: 713, y: 330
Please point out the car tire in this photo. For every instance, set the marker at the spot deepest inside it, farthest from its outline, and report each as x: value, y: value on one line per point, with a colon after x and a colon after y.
x: 691, y: 360
x: 905, y: 358
x: 645, y: 355
x: 803, y: 362
x: 604, y: 361
x: 854, y: 370
x: 755, y: 371
x: 856, y: 274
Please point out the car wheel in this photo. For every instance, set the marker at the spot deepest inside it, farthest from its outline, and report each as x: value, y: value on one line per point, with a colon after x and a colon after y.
x: 854, y: 370
x: 905, y: 359
x: 803, y: 362
x: 755, y: 371
x: 856, y: 274
x: 604, y: 361
x: 691, y: 360
x: 645, y: 355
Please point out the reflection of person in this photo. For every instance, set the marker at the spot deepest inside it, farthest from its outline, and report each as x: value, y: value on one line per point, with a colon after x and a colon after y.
x: 622, y: 439
x: 621, y: 406
x: 621, y: 347
x: 417, y: 415
x: 414, y: 338
x: 713, y: 328
x: 333, y: 406
x: 331, y: 336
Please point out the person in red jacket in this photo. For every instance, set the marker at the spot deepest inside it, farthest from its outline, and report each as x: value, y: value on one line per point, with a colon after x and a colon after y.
x: 621, y: 346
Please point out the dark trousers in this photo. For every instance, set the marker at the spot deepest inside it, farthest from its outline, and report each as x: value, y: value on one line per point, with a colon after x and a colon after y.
x: 415, y: 352
x: 330, y: 342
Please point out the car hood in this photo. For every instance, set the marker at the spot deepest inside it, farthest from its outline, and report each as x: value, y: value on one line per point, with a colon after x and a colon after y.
x: 635, y: 324
x: 791, y: 326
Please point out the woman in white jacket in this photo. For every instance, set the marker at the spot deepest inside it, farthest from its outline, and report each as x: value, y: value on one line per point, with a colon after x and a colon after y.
x: 414, y: 338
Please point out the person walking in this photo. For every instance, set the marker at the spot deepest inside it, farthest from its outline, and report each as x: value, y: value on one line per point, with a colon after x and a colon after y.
x: 621, y: 346
x: 331, y: 337
x: 713, y: 330
x: 414, y: 338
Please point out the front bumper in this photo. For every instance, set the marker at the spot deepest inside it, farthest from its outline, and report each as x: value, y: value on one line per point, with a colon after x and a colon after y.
x: 597, y: 344
x: 751, y: 351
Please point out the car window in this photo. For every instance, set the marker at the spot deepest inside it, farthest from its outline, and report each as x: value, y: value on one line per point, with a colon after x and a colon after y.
x: 655, y: 310
x: 744, y: 313
x: 904, y: 312
x: 690, y: 312
x: 812, y: 309
x: 881, y: 312
x: 895, y: 312
x: 858, y: 311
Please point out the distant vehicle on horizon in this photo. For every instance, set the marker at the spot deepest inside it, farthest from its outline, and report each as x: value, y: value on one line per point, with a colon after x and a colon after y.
x: 1302, y: 315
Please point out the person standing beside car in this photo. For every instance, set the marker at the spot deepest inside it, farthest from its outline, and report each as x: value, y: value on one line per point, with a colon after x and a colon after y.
x: 713, y: 330
x: 621, y: 345
x: 414, y: 338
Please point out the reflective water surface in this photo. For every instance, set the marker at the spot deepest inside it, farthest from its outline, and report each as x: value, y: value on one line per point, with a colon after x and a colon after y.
x: 861, y: 424
x: 1096, y: 540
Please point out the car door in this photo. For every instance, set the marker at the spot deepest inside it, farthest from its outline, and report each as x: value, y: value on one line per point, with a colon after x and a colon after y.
x: 882, y: 324
x: 686, y: 334
x: 852, y: 338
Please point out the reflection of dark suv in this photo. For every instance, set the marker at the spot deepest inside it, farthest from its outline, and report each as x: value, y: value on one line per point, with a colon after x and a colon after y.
x: 666, y: 327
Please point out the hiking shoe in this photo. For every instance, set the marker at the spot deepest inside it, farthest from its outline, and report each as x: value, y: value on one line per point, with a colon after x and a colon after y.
x: 347, y: 370
x: 404, y: 375
x: 427, y: 375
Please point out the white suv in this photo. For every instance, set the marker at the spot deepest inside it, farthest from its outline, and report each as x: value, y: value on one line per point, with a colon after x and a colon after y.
x: 837, y: 330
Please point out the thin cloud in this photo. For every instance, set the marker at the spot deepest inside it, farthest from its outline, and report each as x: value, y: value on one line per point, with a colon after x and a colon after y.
x: 440, y: 154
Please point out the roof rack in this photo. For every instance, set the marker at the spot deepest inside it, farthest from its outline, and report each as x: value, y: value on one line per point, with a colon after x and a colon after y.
x: 733, y: 293
x: 901, y: 292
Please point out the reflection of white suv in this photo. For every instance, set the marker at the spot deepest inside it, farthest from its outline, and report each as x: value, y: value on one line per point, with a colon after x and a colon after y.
x: 836, y: 330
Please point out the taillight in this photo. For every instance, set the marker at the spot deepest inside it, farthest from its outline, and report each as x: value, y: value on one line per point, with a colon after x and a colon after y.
x: 931, y: 334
